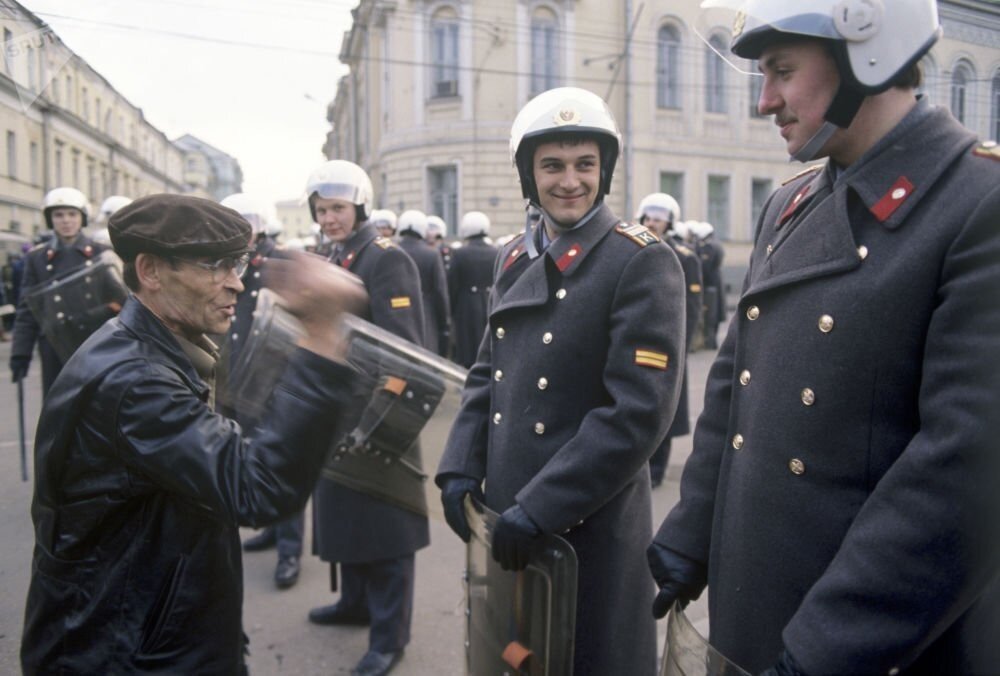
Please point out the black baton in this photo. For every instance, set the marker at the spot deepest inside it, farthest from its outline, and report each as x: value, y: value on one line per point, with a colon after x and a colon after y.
x: 20, y: 420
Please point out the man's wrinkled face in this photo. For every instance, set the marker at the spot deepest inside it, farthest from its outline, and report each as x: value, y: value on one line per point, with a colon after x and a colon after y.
x: 66, y: 222
x: 657, y: 225
x: 196, y: 301
x: 567, y: 175
x: 336, y: 217
x: 800, y: 81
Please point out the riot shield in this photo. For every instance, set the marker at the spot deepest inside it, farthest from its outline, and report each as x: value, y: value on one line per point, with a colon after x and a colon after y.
x: 403, y: 403
x: 518, y: 622
x: 72, y: 306
x: 687, y: 652
x: 405, y: 400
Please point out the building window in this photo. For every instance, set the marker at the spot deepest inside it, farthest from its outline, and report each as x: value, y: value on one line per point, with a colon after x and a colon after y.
x: 12, y: 154
x: 91, y: 180
x: 59, y: 165
x: 69, y: 93
x: 443, y: 197
x: 995, y: 107
x: 8, y: 60
x: 84, y: 105
x: 31, y: 55
x: 760, y: 190
x: 672, y: 183
x: 715, y: 76
x: 718, y: 205
x: 76, y: 168
x: 444, y: 53
x: 544, y: 50
x: 961, y: 76
x: 33, y: 159
x: 668, y: 83
x: 756, y: 84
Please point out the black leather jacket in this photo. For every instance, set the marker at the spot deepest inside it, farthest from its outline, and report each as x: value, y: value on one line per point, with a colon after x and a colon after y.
x: 140, y: 490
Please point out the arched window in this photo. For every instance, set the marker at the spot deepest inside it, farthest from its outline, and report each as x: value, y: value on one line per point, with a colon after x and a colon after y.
x: 995, y: 107
x: 961, y: 76
x: 668, y: 55
x: 444, y: 53
x: 715, y: 76
x: 544, y: 50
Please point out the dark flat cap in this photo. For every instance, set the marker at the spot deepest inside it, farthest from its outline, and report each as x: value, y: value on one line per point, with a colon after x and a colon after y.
x: 178, y: 225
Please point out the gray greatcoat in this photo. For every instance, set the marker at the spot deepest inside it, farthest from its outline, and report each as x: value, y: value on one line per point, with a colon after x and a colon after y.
x: 842, y: 487
x: 563, y: 409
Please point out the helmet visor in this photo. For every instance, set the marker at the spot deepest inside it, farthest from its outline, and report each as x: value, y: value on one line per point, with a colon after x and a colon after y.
x: 750, y: 24
x: 338, y: 191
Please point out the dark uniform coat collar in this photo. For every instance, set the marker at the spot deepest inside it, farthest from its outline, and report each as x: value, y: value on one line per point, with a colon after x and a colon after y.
x: 82, y: 243
x: 812, y: 236
x: 354, y: 244
x: 527, y: 281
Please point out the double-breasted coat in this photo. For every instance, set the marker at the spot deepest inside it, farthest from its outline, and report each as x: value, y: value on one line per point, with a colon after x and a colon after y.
x: 470, y: 278
x: 842, y: 487
x: 433, y: 290
x: 691, y: 265
x: 570, y: 394
x: 41, y: 264
x: 352, y: 527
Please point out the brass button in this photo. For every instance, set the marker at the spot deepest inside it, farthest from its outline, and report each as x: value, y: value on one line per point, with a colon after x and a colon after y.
x: 797, y: 466
x: 57, y: 298
x: 546, y: 337
x: 894, y: 671
x: 497, y: 417
x: 753, y: 312
x: 500, y: 333
x: 738, y: 441
x: 770, y: 249
x: 539, y: 428
x: 543, y: 383
x: 744, y: 377
x: 808, y: 397
x: 49, y: 266
x: 253, y: 294
x: 475, y: 289
x: 560, y: 294
x: 826, y: 323
x: 863, y: 252
x: 498, y: 376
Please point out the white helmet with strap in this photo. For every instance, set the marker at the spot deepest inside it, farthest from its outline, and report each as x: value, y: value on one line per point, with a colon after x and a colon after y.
x: 661, y: 206
x: 474, y: 224
x: 383, y: 218
x: 249, y: 208
x: 340, y: 179
x: 61, y: 198
x: 413, y: 221
x: 110, y: 205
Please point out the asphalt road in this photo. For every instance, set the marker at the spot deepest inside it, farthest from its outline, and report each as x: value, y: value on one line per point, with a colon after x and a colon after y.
x: 282, y: 641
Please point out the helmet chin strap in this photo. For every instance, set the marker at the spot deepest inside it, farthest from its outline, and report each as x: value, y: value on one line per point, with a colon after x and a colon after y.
x: 844, y: 107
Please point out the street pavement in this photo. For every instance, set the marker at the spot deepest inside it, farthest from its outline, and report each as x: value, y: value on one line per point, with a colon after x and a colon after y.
x: 282, y: 641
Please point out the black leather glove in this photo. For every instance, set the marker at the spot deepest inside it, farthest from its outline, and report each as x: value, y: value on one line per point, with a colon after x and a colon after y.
x: 679, y: 578
x: 513, y: 538
x: 453, y: 491
x: 786, y: 666
x: 19, y: 368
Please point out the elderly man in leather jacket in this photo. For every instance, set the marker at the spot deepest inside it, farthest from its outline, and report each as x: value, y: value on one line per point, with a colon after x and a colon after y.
x: 141, y: 486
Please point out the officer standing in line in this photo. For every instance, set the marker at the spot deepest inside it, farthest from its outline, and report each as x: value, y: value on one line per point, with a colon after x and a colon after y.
x: 661, y: 213
x: 286, y: 535
x: 373, y: 541
x: 576, y: 380
x: 470, y: 279
x: 384, y: 221
x: 841, y: 497
x: 436, y: 231
x: 66, y: 211
x: 433, y: 283
x: 711, y: 254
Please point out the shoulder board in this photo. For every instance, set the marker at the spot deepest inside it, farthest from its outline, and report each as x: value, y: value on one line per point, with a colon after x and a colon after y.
x: 639, y: 234
x: 38, y: 246
x: 384, y: 242
x: 807, y: 170
x: 990, y: 149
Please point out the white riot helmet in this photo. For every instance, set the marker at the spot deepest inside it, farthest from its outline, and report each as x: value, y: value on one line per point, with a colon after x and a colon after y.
x: 413, y: 221
x: 111, y: 205
x: 384, y: 218
x: 558, y: 112
x: 249, y: 208
x: 681, y: 229
x: 60, y: 198
x: 340, y: 179
x: 474, y: 224
x: 700, y: 229
x: 661, y: 206
x: 874, y: 42
x: 273, y: 226
x: 436, y: 227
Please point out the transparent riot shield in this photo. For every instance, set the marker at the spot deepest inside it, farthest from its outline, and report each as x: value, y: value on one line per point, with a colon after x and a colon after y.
x: 70, y: 307
x: 518, y: 622
x: 405, y: 400
x: 687, y: 652
x: 403, y: 403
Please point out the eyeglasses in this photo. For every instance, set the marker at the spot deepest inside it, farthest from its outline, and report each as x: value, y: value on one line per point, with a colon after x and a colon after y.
x: 221, y: 268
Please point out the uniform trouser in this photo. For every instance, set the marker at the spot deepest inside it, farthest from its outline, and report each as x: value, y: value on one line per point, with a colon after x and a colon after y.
x: 711, y: 317
x: 658, y: 462
x: 385, y: 589
x: 288, y: 535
